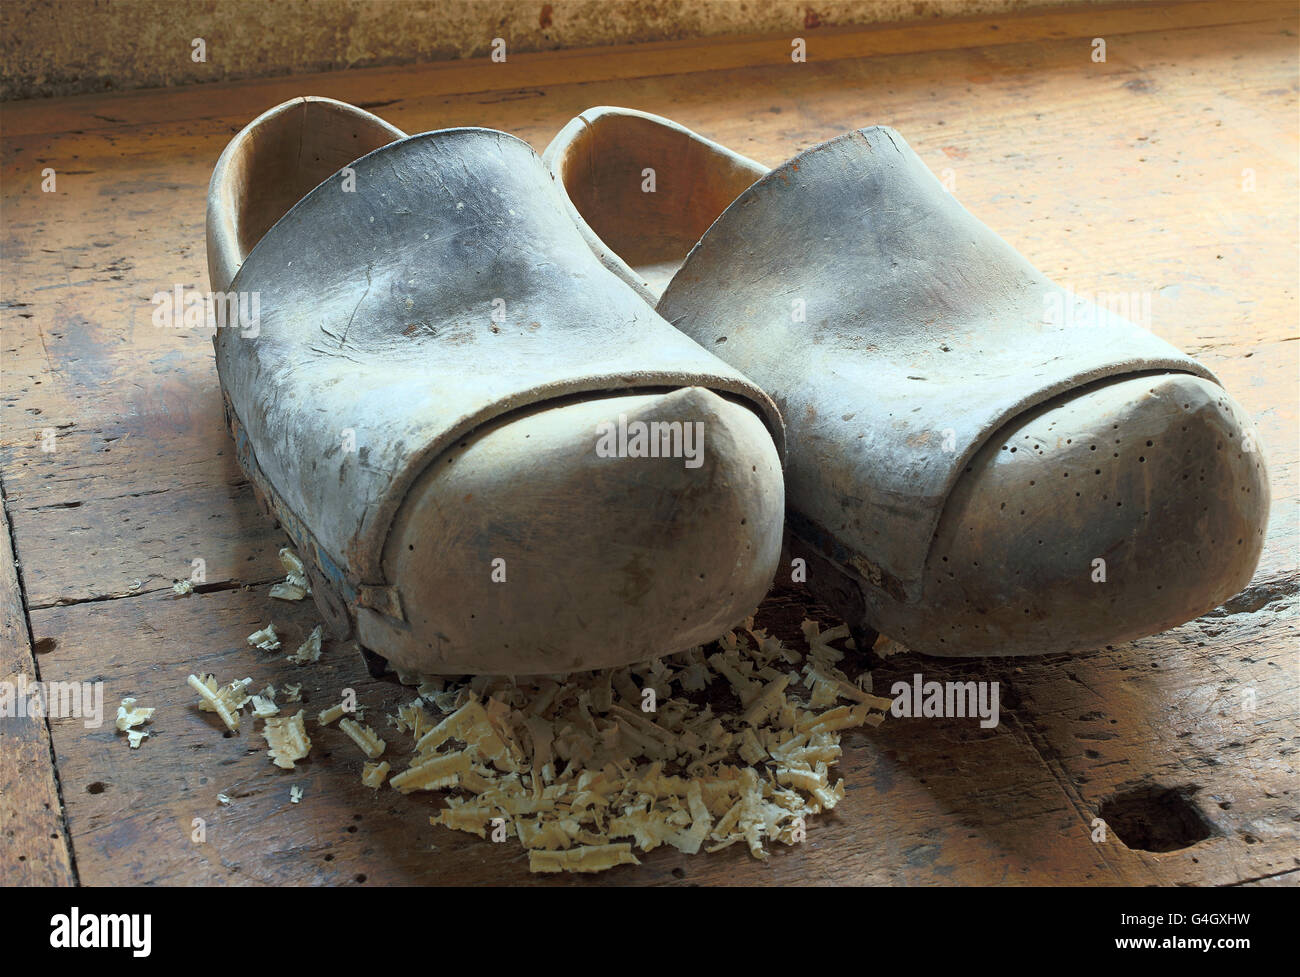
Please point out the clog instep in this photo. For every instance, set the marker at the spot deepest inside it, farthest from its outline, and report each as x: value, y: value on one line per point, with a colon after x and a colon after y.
x: 423, y: 404
x: 969, y: 469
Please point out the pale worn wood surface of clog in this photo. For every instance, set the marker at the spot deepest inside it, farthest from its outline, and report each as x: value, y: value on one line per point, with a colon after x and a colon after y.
x: 1169, y: 171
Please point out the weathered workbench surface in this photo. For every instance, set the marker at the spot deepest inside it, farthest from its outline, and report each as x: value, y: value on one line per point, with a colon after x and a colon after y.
x: 1169, y: 169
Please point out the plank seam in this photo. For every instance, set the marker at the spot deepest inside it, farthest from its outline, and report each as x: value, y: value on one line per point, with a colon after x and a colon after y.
x: 64, y: 827
x: 206, y: 588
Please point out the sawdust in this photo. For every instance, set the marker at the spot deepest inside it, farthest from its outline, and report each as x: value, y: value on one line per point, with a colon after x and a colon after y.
x: 692, y: 751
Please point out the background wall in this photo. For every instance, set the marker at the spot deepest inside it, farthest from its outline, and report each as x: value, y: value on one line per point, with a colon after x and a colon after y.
x: 64, y: 47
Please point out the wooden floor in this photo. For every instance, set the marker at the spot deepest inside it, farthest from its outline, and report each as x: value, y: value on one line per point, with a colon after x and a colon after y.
x: 1170, y: 169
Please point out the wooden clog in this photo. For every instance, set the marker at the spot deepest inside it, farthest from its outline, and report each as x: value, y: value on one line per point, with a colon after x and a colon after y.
x: 427, y: 400
x: 978, y: 462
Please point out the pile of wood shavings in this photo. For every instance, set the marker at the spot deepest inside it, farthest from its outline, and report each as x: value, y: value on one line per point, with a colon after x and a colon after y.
x: 693, y: 751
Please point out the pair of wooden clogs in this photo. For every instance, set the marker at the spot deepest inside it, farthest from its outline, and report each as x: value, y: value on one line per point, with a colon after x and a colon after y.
x: 528, y: 414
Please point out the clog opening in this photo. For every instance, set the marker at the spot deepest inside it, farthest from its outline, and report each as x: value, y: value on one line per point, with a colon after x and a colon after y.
x: 649, y: 191
x: 280, y: 158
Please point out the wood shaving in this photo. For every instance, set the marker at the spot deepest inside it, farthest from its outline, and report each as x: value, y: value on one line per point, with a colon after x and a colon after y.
x: 130, y: 715
x: 225, y: 701
x: 292, y: 562
x: 434, y: 773
x: 295, y: 585
x: 885, y: 647
x: 373, y: 775
x: 371, y: 745
x: 263, y: 708
x: 182, y: 588
x: 135, y: 737
x: 740, y: 749
x: 293, y: 693
x: 266, y: 639
x: 309, y: 650
x: 412, y: 718
x: 295, y: 794
x: 287, y: 738
x: 588, y: 858
x: 332, y: 714
x: 290, y: 589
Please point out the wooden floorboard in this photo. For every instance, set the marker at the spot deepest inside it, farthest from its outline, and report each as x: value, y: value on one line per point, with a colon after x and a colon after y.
x: 34, y: 848
x: 1127, y: 176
